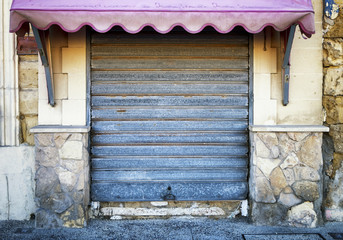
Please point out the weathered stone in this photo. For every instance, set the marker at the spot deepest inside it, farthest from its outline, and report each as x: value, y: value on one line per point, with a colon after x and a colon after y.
x: 57, y: 188
x: 75, y: 137
x: 67, y: 180
x: 26, y: 123
x: 288, y: 199
x: 61, y: 202
x: 286, y: 145
x: 278, y: 181
x: 311, y: 154
x: 337, y: 164
x: 28, y: 59
x: 78, y: 196
x: 335, y: 215
x: 275, y: 152
x: 288, y: 190
x: 73, y: 166
x: 71, y: 218
x: 47, y: 219
x: 334, y: 109
x: 60, y: 139
x: 329, y: 171
x: 86, y: 176
x: 306, y: 173
x: 289, y: 175
x: 290, y: 162
x: 298, y: 136
x: 302, y: 215
x: 333, y: 81
x: 80, y: 182
x: 44, y: 140
x: 80, y: 212
x: 257, y: 172
x: 46, y: 180
x: 71, y: 150
x: 327, y: 148
x: 68, y: 214
x: 57, y: 202
x: 336, y: 132
x: 47, y: 156
x: 28, y: 101
x: 85, y: 140
x: 267, y: 165
x: 334, y: 200
x: 309, y: 191
x: 60, y: 195
x: 263, y: 193
x: 268, y: 214
x: 335, y: 29
x: 28, y: 71
x: 261, y: 150
x: 269, y: 139
x: 333, y: 52
x: 85, y: 155
x: 72, y: 224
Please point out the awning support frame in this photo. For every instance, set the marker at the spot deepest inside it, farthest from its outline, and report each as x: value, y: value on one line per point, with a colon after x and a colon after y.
x: 286, y: 66
x: 41, y: 44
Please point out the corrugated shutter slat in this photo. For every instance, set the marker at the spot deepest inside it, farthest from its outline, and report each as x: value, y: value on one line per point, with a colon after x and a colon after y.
x: 169, y: 116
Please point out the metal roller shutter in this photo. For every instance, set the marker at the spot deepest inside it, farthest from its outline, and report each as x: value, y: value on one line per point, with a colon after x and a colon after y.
x: 169, y: 116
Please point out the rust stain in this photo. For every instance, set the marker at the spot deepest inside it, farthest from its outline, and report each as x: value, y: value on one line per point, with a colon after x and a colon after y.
x: 121, y: 111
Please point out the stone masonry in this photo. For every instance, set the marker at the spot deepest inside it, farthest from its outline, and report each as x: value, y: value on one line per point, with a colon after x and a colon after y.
x: 28, y: 96
x: 333, y: 105
x: 62, y: 179
x: 285, y: 178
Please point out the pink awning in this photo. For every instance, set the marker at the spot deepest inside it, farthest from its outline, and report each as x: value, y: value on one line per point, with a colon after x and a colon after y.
x: 164, y: 15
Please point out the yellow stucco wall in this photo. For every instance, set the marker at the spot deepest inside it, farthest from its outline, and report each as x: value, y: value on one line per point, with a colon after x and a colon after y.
x: 69, y: 69
x: 305, y: 93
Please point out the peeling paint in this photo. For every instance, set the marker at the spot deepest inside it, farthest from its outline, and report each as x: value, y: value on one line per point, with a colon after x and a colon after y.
x: 114, y: 211
x: 331, y: 9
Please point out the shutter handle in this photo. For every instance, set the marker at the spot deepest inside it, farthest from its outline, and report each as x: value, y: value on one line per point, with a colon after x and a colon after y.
x: 167, y: 195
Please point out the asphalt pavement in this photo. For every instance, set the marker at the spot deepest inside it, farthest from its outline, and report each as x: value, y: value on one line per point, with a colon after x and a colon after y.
x: 176, y: 229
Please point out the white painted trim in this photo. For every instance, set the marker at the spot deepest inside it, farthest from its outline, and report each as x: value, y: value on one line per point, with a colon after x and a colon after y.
x: 120, y: 211
x: 9, y: 93
x: 60, y: 129
x: 245, y: 208
x: 289, y: 128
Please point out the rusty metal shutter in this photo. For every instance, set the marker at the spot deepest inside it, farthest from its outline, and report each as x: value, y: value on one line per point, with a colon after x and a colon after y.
x: 169, y: 116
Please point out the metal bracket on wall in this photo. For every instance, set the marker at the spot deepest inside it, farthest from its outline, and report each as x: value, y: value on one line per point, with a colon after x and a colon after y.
x: 286, y: 66
x: 42, y: 39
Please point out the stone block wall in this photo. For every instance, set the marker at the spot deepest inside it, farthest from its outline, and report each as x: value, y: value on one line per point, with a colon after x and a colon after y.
x: 285, y: 178
x: 28, y: 96
x: 62, y: 179
x: 333, y: 105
